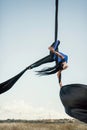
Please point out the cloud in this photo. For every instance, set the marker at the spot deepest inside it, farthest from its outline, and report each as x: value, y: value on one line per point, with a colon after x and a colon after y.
x: 23, y: 110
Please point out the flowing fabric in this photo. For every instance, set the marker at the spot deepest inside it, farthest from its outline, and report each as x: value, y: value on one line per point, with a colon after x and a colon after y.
x: 74, y: 99
x: 5, y: 86
x: 48, y: 59
x: 9, y: 83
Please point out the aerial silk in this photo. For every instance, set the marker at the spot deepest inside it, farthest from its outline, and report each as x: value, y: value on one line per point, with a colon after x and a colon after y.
x: 54, y: 69
x: 9, y: 83
x: 48, y: 59
x: 73, y: 96
x: 74, y: 99
x: 5, y: 86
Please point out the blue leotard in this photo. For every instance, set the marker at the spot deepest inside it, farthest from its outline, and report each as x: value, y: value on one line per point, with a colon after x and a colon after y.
x: 62, y: 60
x: 55, y: 57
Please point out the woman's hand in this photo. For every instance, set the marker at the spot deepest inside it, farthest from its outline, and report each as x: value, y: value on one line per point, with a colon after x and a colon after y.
x: 51, y: 49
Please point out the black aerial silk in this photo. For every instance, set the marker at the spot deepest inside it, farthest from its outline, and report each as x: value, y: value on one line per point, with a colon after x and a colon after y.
x: 9, y: 83
x: 74, y: 99
x: 5, y: 86
x: 48, y: 59
x: 73, y: 96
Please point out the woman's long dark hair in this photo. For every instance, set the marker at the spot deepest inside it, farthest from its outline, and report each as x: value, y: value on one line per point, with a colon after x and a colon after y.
x: 50, y: 70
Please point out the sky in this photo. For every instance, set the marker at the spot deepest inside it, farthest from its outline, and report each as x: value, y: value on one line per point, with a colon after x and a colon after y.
x: 26, y: 32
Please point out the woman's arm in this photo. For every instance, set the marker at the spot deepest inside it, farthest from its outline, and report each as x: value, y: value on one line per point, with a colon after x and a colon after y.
x: 55, y: 52
x: 59, y: 78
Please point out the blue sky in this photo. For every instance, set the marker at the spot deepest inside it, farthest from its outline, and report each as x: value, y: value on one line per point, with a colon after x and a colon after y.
x: 26, y: 31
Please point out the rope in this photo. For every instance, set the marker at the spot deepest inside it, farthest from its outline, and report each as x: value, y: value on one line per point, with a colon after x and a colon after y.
x: 56, y: 19
x: 56, y: 27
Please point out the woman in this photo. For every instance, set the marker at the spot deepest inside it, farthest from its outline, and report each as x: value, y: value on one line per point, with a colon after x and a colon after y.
x: 61, y: 60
